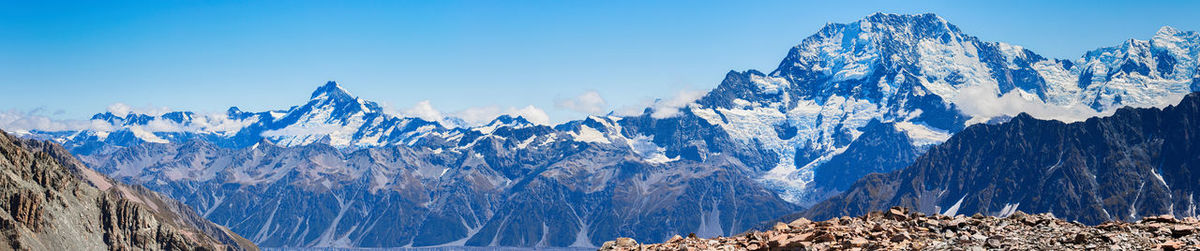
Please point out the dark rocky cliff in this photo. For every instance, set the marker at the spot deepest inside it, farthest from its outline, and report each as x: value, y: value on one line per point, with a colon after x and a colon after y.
x: 1135, y: 163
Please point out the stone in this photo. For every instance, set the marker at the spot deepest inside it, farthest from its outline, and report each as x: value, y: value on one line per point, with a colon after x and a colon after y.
x: 1181, y: 231
x: 1166, y: 218
x: 608, y: 245
x: 858, y: 242
x: 825, y: 237
x: 1017, y: 215
x: 780, y: 226
x: 626, y: 242
x: 800, y: 223
x: 897, y: 213
x: 995, y: 242
x: 956, y: 222
x: 1079, y: 239
x: 1171, y: 245
x: 900, y: 237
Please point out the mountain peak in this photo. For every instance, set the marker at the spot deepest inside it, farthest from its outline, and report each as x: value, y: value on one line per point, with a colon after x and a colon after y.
x: 851, y: 51
x: 1167, y: 30
x: 509, y: 120
x: 893, y: 17
x: 1168, y: 34
x: 928, y: 23
x: 331, y: 89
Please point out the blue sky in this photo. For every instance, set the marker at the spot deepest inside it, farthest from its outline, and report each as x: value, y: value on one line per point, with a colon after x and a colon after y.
x: 68, y: 60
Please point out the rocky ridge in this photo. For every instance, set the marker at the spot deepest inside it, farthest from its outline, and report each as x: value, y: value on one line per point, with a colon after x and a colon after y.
x: 900, y: 228
x: 48, y: 201
x: 1136, y: 163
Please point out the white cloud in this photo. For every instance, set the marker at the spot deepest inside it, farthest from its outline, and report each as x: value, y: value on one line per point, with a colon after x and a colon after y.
x: 982, y: 104
x: 634, y: 109
x: 473, y: 116
x: 424, y: 110
x: 122, y: 109
x: 478, y: 115
x: 13, y: 120
x: 589, y: 102
x: 667, y: 108
x: 533, y: 114
x: 481, y: 115
x: 119, y: 109
x: 662, y: 108
x: 202, y: 122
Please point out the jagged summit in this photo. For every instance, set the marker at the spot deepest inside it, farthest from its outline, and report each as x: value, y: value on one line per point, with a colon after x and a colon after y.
x: 332, y: 94
x: 927, y: 24
x: 891, y: 34
x: 509, y: 120
x: 331, y: 89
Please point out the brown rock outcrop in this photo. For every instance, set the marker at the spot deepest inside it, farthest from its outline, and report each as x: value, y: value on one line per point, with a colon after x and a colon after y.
x: 900, y: 229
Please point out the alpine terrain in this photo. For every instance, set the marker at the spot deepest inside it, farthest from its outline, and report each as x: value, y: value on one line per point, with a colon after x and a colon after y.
x: 869, y: 96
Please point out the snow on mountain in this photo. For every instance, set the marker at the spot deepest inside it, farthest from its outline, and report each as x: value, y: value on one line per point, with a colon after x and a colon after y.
x: 1140, y: 72
x: 332, y: 116
x: 856, y: 98
x: 902, y: 69
x: 909, y: 70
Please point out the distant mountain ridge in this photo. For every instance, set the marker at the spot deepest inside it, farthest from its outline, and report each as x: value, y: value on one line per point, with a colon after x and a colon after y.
x: 331, y: 116
x: 857, y: 98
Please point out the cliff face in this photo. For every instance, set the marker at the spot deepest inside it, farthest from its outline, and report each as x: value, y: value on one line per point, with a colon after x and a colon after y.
x: 49, y: 201
x: 1136, y: 163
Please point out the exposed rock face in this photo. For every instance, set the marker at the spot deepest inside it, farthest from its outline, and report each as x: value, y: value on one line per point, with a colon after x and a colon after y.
x: 1138, y: 162
x: 898, y: 228
x: 852, y: 99
x: 48, y: 201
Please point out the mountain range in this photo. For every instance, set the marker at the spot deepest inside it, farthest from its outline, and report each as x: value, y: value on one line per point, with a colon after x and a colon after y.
x: 871, y: 96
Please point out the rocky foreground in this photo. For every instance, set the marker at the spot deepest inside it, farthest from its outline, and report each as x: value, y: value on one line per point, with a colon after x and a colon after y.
x: 899, y: 228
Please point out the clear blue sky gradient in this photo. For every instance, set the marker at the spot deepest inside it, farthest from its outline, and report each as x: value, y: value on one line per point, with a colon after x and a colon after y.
x: 72, y: 59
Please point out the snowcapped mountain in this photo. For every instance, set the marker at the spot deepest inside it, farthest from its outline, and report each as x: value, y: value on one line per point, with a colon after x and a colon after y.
x: 853, y: 99
x: 1137, y: 71
x: 332, y: 116
x: 924, y: 77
